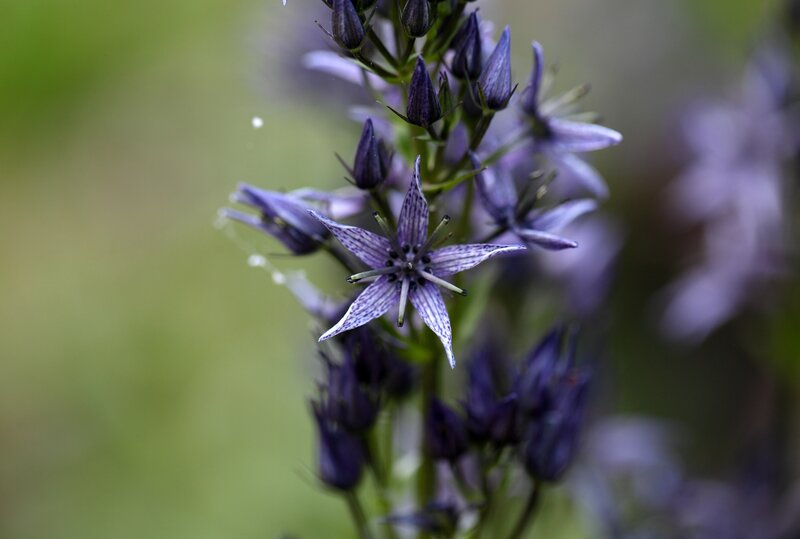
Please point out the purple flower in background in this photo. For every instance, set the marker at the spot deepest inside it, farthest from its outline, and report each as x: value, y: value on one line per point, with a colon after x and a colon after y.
x: 445, y: 432
x: 499, y: 196
x: 340, y: 455
x: 735, y: 189
x: 283, y: 216
x: 559, y: 132
x: 406, y: 267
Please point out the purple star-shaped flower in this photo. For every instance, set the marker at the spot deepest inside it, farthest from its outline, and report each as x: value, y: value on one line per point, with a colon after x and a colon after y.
x: 560, y: 133
x: 406, y: 267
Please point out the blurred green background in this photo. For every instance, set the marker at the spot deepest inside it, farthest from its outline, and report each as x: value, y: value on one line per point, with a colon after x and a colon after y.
x: 151, y: 384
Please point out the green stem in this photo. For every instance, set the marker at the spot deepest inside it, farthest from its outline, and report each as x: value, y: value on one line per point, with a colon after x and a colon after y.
x: 426, y: 480
x: 376, y: 40
x: 357, y: 513
x: 527, y: 513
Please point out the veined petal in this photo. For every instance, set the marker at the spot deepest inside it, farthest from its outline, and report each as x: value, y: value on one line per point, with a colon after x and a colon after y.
x: 562, y: 215
x: 581, y: 171
x: 373, y: 302
x: 370, y: 248
x: 582, y: 137
x: 543, y: 239
x: 456, y: 258
x: 429, y: 304
x: 412, y: 224
x: 334, y: 64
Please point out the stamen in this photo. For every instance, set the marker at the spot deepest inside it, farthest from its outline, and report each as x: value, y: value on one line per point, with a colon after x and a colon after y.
x: 387, y: 232
x: 371, y: 273
x: 403, y: 300
x: 441, y: 282
x: 434, y: 237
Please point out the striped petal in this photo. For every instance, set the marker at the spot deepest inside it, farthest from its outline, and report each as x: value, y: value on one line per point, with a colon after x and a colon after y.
x: 412, y: 224
x: 456, y: 258
x: 371, y: 249
x: 373, y: 302
x: 428, y: 301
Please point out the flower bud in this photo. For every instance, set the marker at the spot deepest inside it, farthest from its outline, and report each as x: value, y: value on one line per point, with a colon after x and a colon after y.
x: 340, y: 455
x: 417, y: 18
x: 553, y: 440
x: 495, y: 80
x: 445, y: 433
x: 468, y: 53
x: 346, y: 25
x: 347, y: 402
x: 423, y: 105
x: 371, y: 163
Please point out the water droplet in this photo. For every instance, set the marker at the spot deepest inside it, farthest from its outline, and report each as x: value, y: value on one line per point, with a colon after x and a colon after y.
x: 257, y: 121
x: 278, y: 278
x: 256, y: 261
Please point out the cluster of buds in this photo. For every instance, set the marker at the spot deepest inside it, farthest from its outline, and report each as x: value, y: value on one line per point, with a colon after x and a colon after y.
x: 452, y: 144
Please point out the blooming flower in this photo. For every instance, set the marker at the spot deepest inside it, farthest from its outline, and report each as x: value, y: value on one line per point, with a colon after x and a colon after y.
x: 283, y: 216
x: 559, y: 135
x: 406, y: 267
x: 499, y: 196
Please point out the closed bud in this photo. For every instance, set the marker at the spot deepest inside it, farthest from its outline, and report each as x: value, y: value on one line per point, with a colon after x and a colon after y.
x: 417, y: 17
x: 340, y: 455
x: 371, y: 163
x: 553, y: 440
x: 445, y: 433
x: 346, y: 25
x: 495, y: 80
x: 347, y: 402
x: 468, y: 53
x: 423, y: 105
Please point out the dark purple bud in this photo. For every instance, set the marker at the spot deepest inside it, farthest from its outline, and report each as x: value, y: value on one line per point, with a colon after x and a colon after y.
x: 468, y: 53
x: 340, y: 455
x: 417, y: 17
x: 346, y: 401
x: 445, y: 433
x: 401, y: 379
x: 346, y: 25
x: 553, y: 439
x: 540, y: 372
x: 423, y: 105
x: 495, y: 80
x: 505, y: 426
x: 282, y: 216
x: 371, y: 163
x: 437, y: 518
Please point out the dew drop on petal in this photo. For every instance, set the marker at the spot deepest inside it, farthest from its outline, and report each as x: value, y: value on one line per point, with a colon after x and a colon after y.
x: 256, y: 261
x: 257, y: 121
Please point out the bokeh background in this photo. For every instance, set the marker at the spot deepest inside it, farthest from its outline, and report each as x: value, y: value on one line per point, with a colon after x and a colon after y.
x: 154, y: 385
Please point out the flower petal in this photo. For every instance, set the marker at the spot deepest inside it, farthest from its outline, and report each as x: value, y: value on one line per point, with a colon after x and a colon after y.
x: 582, y: 137
x: 496, y: 191
x: 456, y: 258
x: 370, y: 248
x: 530, y: 97
x: 282, y: 206
x: 373, y: 302
x: 578, y: 169
x: 412, y: 224
x: 428, y: 301
x: 543, y: 239
x: 562, y: 215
